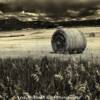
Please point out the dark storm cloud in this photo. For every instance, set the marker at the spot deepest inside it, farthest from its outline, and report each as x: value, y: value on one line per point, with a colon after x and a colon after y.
x: 51, y: 6
x: 68, y: 3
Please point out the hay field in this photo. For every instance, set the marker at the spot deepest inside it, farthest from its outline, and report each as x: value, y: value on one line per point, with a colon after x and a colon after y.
x: 23, y: 75
x: 37, y: 42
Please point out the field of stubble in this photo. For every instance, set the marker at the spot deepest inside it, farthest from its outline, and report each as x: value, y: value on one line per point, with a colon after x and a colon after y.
x: 27, y: 76
x: 36, y: 43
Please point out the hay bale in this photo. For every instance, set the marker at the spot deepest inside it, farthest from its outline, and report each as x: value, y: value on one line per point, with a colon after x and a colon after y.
x: 68, y: 40
x: 92, y: 34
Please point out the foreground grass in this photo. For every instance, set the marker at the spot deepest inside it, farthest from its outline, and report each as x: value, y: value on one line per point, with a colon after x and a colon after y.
x: 49, y: 76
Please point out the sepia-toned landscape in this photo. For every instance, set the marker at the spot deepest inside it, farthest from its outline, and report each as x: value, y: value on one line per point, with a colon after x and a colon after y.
x: 49, y: 50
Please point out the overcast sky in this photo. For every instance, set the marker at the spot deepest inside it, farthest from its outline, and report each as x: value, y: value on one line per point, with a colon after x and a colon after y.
x: 51, y: 5
x: 67, y: 1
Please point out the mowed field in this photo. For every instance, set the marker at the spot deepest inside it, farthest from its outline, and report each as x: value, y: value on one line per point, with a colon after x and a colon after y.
x: 37, y: 42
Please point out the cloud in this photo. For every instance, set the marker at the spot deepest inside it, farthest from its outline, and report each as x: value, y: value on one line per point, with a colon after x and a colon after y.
x: 57, y: 7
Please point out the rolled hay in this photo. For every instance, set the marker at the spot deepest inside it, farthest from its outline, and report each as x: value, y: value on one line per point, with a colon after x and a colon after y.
x: 68, y: 41
x: 92, y: 34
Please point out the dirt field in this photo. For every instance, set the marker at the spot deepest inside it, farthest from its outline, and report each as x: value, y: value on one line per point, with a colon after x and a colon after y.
x: 36, y: 43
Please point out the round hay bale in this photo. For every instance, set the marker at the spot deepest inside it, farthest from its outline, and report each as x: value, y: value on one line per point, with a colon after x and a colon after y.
x: 68, y: 40
x: 92, y: 35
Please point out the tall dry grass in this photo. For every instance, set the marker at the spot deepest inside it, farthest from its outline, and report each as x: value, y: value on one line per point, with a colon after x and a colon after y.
x: 47, y: 76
